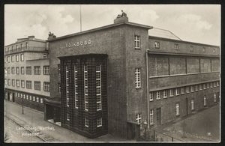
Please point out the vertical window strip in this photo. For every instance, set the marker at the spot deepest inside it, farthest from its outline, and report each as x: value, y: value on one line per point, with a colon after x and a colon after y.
x: 75, y: 87
x: 85, y: 87
x: 151, y: 117
x: 98, y: 87
x: 138, y: 77
x: 67, y: 86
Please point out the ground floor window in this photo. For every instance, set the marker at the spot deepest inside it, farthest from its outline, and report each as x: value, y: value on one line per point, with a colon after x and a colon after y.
x: 68, y: 117
x: 177, y: 109
x: 86, y: 122
x: 205, y: 101
x: 138, y: 118
x: 214, y: 97
x: 192, y: 104
x: 151, y: 117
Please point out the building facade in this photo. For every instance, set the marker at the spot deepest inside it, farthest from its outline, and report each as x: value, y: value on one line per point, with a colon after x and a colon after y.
x: 27, y: 72
x: 115, y: 78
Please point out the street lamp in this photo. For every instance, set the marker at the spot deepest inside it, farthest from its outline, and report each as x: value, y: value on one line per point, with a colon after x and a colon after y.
x: 145, y: 126
x: 22, y: 104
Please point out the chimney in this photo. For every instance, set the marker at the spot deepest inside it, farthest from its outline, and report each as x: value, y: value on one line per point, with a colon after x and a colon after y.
x: 121, y: 18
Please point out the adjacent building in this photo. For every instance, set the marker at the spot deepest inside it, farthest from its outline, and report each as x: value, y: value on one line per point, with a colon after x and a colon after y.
x: 119, y: 78
x: 27, y: 72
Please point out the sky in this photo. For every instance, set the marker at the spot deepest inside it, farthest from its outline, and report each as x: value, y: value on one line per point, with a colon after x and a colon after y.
x: 195, y: 23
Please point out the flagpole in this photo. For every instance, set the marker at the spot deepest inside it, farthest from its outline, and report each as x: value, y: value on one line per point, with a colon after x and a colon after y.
x: 80, y: 20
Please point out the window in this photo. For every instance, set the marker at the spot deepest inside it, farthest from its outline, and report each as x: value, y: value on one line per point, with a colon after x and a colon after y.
x: 22, y: 70
x: 8, y: 70
x: 28, y: 70
x: 13, y: 82
x: 46, y: 70
x: 171, y: 92
x: 214, y: 97
x: 17, y: 70
x: 37, y: 70
x: 22, y: 83
x: 37, y: 85
x: 26, y: 45
x: 204, y: 86
x: 157, y: 45
x: 59, y: 87
x: 98, y: 87
x: 86, y: 121
x: 177, y: 91
x: 138, y: 77
x: 218, y: 83
x: 157, y: 95
x: 46, y: 86
x: 8, y: 58
x: 192, y: 88
x: 86, y: 87
x: 200, y: 87
x: 207, y: 85
x: 21, y: 57
x: 33, y: 98
x: 12, y: 58
x: 41, y: 100
x: 196, y: 87
x: 192, y: 104
x: 151, y: 96
x: 165, y: 94
x: 45, y: 55
x: 151, y: 117
x: 9, y: 83
x: 182, y: 90
x: 18, y: 94
x: 30, y: 97
x: 27, y: 97
x: 68, y: 117
x: 28, y: 85
x: 214, y: 84
x: 67, y: 101
x: 138, y: 118
x: 12, y: 70
x: 59, y: 74
x: 137, y: 42
x: 17, y: 83
x: 211, y: 84
x: 204, y: 102
x: 6, y: 81
x: 176, y: 46
x: 37, y: 99
x: 187, y: 89
x: 177, y: 109
x: 17, y: 58
x: 99, y: 122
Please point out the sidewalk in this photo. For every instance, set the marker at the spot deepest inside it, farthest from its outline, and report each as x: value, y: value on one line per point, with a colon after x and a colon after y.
x: 35, y: 119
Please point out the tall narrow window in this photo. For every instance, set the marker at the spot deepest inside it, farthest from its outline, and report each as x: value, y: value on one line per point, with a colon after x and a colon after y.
x: 37, y: 70
x: 214, y: 97
x: 46, y: 70
x: 205, y: 102
x: 26, y: 45
x: 17, y: 70
x: 192, y: 89
x: 187, y: 89
x: 182, y: 90
x: 151, y: 96
x: 28, y: 70
x: 157, y: 95
x: 98, y: 87
x: 21, y: 57
x: 68, y: 117
x: 138, y: 118
x: 177, y: 109
x: 171, y: 92
x: 86, y: 87
x: 165, y: 94
x: 86, y: 122
x: 75, y: 87
x: 200, y: 87
x: 22, y: 70
x: 196, y: 87
x: 46, y: 86
x: 59, y: 74
x: 17, y: 83
x: 137, y: 42
x: 138, y: 77
x: 177, y: 91
x: 151, y: 117
x: 99, y: 122
x: 192, y: 104
x: 67, y: 86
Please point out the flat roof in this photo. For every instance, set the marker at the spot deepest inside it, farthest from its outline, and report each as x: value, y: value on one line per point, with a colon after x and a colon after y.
x: 101, y: 28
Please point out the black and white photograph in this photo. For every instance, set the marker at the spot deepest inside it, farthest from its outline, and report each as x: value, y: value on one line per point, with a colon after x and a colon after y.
x: 122, y: 73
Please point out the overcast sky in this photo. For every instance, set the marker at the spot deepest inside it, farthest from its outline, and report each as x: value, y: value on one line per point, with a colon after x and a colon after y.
x: 196, y: 23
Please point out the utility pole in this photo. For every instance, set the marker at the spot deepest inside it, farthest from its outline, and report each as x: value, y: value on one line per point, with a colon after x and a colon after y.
x: 80, y: 20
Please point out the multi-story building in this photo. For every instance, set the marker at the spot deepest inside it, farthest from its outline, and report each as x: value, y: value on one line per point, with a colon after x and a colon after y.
x: 116, y: 78
x: 27, y: 72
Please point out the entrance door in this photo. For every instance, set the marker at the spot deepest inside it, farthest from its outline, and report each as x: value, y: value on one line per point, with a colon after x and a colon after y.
x: 158, y: 116
x: 186, y: 106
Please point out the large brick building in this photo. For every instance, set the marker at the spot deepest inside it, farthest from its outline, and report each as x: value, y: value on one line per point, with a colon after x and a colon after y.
x: 27, y: 72
x: 113, y: 78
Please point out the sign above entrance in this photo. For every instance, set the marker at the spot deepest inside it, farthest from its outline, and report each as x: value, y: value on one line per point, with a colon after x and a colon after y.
x: 75, y: 44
